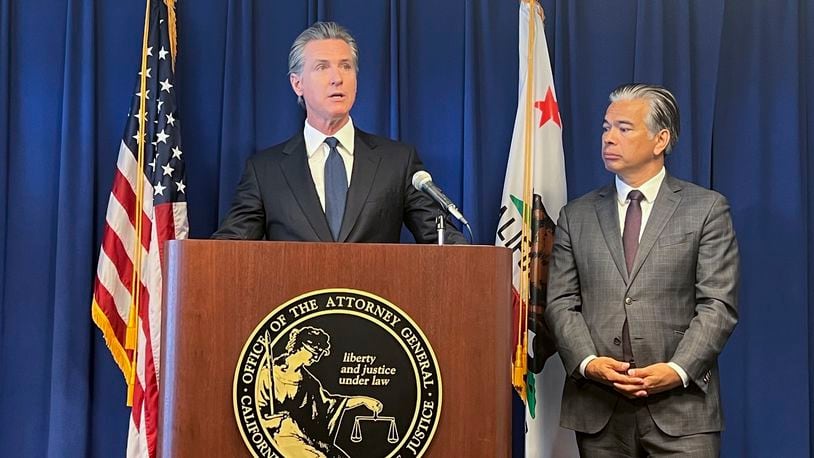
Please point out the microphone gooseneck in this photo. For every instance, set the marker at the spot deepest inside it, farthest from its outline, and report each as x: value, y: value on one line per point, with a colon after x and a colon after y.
x: 422, y: 181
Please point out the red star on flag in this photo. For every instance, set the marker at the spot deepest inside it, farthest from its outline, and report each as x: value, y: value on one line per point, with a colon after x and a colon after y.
x: 549, y: 109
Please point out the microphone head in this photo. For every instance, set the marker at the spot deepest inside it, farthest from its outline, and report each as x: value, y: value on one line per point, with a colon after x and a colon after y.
x: 420, y: 179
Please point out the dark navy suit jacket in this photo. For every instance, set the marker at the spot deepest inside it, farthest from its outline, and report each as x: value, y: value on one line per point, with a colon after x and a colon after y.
x: 276, y: 198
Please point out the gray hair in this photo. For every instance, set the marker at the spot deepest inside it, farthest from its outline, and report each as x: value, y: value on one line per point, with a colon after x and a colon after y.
x: 663, y: 112
x: 319, y: 31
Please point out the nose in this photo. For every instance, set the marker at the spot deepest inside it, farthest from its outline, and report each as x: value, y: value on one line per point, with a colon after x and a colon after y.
x: 336, y: 76
x: 609, y: 137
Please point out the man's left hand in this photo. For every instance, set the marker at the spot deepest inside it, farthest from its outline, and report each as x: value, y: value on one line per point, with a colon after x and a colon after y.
x: 657, y: 378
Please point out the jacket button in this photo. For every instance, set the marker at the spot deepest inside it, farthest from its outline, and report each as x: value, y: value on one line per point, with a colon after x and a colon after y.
x: 628, y: 301
x: 617, y: 341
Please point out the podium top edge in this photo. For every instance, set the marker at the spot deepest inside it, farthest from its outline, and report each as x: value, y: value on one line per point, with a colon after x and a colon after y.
x: 270, y: 243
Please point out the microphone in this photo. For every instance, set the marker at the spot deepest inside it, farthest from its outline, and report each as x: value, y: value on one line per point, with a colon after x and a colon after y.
x: 423, y: 182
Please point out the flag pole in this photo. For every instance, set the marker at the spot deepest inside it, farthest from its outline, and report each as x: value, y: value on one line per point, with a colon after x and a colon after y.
x: 131, y: 342
x: 520, y: 368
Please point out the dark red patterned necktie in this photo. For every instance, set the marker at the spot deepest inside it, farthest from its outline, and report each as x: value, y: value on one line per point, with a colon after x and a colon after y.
x: 633, y: 225
x: 630, y: 241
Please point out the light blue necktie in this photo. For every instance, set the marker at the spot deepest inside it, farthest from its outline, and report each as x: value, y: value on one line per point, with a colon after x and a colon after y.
x: 336, y: 187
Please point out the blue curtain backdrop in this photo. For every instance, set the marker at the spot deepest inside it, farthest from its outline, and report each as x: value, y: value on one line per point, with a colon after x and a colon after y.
x: 439, y: 74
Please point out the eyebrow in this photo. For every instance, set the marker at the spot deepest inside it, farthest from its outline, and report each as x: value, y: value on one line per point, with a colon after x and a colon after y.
x: 327, y: 61
x: 627, y: 123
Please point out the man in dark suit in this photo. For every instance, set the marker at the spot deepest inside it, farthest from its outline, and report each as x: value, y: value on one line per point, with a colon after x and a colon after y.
x: 331, y: 182
x: 642, y: 294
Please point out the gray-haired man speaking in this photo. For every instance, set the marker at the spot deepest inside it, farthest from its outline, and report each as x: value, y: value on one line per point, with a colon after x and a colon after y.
x: 642, y: 294
x: 331, y: 182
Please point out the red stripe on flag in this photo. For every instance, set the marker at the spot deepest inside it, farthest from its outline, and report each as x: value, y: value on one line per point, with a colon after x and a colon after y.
x: 165, y: 226
x: 108, y: 306
x: 146, y: 231
x: 126, y: 197
x: 138, y: 404
x: 138, y: 388
x: 124, y: 194
x: 151, y: 380
x: 114, y: 249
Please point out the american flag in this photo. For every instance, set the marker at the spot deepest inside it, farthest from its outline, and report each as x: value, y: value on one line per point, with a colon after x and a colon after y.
x: 147, y: 206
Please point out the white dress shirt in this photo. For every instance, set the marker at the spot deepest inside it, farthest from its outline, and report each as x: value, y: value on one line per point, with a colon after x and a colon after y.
x: 650, y: 190
x: 318, y: 151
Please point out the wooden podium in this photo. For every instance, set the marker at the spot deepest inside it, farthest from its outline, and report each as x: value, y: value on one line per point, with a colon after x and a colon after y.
x: 216, y: 293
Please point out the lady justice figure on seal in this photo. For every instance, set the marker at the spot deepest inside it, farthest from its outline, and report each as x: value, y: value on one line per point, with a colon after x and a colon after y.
x: 303, y: 417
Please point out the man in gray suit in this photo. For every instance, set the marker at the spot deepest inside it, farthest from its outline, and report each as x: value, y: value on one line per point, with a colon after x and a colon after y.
x: 331, y: 181
x: 642, y: 294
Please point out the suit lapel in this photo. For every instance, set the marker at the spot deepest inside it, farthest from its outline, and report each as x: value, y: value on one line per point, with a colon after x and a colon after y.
x: 298, y: 176
x: 365, y: 164
x: 607, y: 211
x: 665, y: 205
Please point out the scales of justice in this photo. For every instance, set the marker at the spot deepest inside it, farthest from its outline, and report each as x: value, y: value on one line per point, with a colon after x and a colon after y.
x: 356, y: 432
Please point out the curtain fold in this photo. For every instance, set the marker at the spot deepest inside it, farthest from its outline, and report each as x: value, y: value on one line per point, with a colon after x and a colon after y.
x: 759, y: 143
x: 35, y: 82
x: 237, y: 125
x: 806, y: 18
x: 5, y: 128
x: 73, y: 234
x: 439, y: 75
x: 679, y: 46
x: 395, y: 41
x: 489, y: 89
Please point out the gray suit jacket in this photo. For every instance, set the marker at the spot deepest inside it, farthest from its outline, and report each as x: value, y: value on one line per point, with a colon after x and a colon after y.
x: 680, y: 300
x: 276, y: 198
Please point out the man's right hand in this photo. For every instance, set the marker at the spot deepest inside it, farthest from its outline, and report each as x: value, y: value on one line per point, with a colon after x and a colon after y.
x: 614, y: 373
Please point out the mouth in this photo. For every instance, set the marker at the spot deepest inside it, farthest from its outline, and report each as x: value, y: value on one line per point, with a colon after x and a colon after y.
x: 337, y: 96
x: 608, y: 156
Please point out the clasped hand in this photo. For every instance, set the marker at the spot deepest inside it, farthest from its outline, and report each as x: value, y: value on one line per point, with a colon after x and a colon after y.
x: 632, y: 383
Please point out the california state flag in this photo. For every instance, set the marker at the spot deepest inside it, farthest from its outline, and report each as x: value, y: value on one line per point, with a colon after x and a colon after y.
x: 533, y: 193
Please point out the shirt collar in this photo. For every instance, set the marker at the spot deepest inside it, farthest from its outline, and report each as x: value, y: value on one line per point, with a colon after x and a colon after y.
x: 650, y: 188
x: 314, y: 139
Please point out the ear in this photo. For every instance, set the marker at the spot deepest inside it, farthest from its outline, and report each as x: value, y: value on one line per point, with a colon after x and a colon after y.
x: 662, y: 140
x: 296, y: 83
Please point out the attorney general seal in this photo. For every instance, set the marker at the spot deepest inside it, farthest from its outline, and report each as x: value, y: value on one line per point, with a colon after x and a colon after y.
x: 337, y: 373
